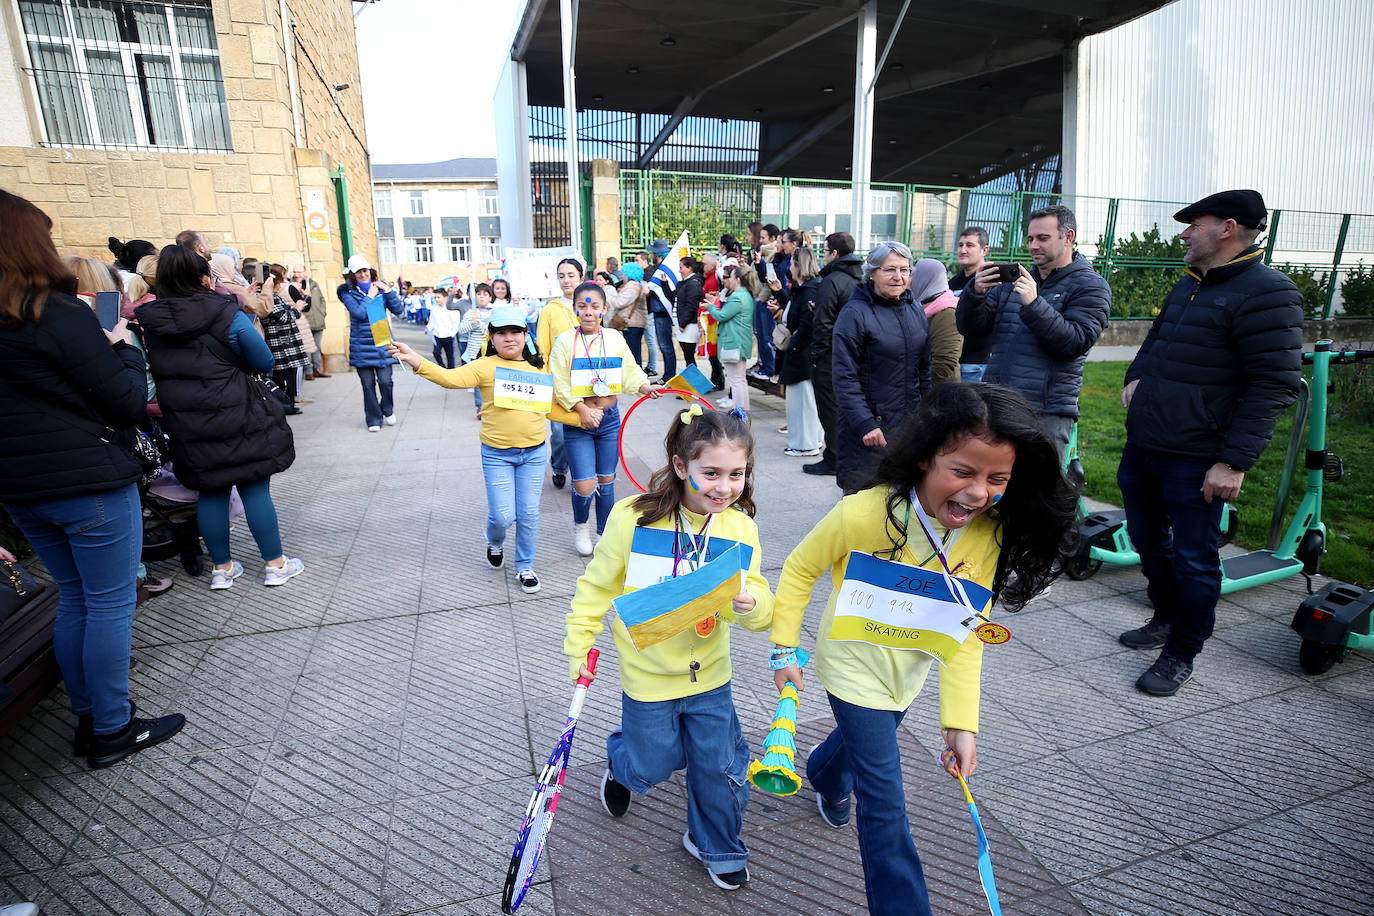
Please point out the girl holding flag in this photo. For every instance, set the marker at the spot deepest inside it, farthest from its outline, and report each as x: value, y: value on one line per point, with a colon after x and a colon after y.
x: 923, y: 547
x: 519, y: 398
x: 676, y: 706
x: 591, y: 365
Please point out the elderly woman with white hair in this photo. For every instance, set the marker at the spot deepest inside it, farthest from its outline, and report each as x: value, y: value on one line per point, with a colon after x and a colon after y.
x: 881, y: 353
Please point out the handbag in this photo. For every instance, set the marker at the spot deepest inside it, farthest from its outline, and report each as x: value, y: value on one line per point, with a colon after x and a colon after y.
x: 17, y: 588
x: 143, y: 448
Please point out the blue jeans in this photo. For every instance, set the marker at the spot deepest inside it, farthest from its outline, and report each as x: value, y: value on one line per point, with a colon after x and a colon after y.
x: 861, y: 756
x: 593, y: 453
x: 700, y: 733
x: 763, y: 334
x: 91, y: 545
x: 650, y: 347
x: 558, y: 455
x: 1177, y: 535
x: 972, y: 372
x: 373, y: 379
x: 634, y: 339
x: 663, y: 339
x: 212, y: 514
x: 515, y: 480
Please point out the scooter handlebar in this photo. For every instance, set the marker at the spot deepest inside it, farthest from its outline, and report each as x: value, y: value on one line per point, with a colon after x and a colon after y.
x: 1344, y: 356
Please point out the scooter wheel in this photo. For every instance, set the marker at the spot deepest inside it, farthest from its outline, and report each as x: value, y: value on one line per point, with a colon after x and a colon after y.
x: 1079, y: 568
x: 1318, y: 657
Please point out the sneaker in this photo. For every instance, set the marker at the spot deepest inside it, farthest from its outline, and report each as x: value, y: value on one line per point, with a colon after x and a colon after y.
x: 139, y: 734
x: 835, y: 814
x: 1151, y: 636
x: 374, y: 429
x: 389, y: 421
x: 615, y: 798
x: 820, y: 468
x: 761, y: 376
x: 301, y: 399
x: 529, y: 582
x: 20, y: 909
x: 559, y: 480
x: 224, y: 578
x: 782, y: 428
x: 582, y: 539
x: 801, y: 452
x: 1165, y: 676
x: 725, y: 403
x: 279, y: 575
x: 726, y: 881
x: 495, y: 557
x: 85, y: 733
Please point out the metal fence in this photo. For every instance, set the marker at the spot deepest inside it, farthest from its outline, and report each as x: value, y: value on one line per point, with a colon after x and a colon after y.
x: 1133, y: 243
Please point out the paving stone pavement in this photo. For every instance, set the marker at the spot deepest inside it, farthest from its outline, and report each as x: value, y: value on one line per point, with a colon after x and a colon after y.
x: 363, y: 740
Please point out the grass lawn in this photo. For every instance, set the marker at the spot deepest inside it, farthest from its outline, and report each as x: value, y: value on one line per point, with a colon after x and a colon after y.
x: 1347, y: 506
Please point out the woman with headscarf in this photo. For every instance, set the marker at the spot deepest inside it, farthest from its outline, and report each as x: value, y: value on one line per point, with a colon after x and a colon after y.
x: 930, y: 289
x: 881, y: 358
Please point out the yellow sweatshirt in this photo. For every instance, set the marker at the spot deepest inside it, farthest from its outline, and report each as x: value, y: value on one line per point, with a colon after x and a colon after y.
x: 555, y: 317
x: 630, y: 557
x: 502, y: 427
x: 570, y: 353
x: 875, y: 676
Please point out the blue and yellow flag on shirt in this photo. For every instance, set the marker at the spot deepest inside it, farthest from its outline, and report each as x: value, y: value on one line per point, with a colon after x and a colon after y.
x: 666, y: 608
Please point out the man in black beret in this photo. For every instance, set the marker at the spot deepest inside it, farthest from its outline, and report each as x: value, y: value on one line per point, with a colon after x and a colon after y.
x: 1221, y: 361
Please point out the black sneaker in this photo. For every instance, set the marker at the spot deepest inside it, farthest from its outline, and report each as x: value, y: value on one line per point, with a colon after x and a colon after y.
x: 85, y: 731
x: 529, y: 582
x: 559, y: 481
x: 1165, y: 676
x: 820, y: 468
x: 138, y: 735
x: 835, y: 814
x: 495, y: 557
x: 1151, y: 636
x: 726, y: 881
x: 615, y: 798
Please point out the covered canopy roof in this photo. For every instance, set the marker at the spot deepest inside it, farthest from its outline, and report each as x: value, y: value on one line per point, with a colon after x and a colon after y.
x: 971, y: 89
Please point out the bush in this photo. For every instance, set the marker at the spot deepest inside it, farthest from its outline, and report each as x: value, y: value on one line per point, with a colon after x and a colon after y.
x: 1314, y: 287
x: 1357, y: 291
x: 1139, y: 289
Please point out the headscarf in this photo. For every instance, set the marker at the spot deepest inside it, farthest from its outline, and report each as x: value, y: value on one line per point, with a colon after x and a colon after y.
x: 928, y: 280
x: 223, y: 270
x: 233, y: 254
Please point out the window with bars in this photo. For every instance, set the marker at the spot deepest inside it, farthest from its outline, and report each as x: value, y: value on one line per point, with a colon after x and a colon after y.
x: 122, y: 73
x: 490, y: 249
x: 459, y: 247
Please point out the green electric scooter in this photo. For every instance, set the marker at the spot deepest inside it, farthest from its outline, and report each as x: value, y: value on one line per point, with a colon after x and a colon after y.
x: 1299, y: 549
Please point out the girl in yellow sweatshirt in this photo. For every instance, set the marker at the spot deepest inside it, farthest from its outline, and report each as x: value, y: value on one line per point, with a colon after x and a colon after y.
x: 518, y: 393
x: 676, y: 706
x: 924, y: 541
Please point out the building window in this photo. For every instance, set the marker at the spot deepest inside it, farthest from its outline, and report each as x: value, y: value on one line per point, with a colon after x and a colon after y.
x: 127, y: 74
x: 421, y: 251
x: 491, y: 250
x: 381, y: 203
x: 386, y: 251
x: 418, y: 202
x: 459, y: 247
x: 489, y: 202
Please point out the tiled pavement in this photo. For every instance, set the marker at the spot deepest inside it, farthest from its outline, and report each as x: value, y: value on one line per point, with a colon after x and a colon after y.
x: 362, y: 740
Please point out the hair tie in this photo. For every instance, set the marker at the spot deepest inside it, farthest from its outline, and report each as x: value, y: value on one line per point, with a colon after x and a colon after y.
x: 739, y: 413
x: 689, y: 414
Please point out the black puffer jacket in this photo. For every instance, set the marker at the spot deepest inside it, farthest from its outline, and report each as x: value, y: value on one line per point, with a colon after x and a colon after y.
x: 225, y: 429
x: 882, y: 371
x: 1220, y: 363
x: 66, y: 360
x: 838, y: 279
x: 688, y: 300
x: 794, y: 363
x: 1038, y: 349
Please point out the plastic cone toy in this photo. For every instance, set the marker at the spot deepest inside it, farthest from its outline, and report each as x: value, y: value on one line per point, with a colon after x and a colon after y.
x: 775, y: 774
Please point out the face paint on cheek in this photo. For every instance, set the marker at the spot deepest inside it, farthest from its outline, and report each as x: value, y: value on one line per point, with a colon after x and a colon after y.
x: 692, y: 484
x: 996, y: 498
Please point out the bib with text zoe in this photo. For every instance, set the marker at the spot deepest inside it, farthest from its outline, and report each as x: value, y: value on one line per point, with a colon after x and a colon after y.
x: 520, y: 389
x: 897, y: 606
x: 595, y: 376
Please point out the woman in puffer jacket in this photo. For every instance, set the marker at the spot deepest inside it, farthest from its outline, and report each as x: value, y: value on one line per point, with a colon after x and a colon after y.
x: 371, y: 361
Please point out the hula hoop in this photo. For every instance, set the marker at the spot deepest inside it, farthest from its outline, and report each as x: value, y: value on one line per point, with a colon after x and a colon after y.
x: 620, y: 439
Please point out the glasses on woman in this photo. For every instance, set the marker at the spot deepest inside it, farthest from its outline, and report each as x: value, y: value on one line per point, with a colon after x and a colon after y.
x: 890, y: 272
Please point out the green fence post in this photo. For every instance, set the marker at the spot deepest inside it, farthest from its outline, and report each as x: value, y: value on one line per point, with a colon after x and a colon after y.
x: 1335, y: 264
x: 1273, y: 235
x: 588, y: 252
x: 1109, y: 237
x: 904, y: 225
x: 786, y: 205
x: 1014, y: 229
x: 646, y: 208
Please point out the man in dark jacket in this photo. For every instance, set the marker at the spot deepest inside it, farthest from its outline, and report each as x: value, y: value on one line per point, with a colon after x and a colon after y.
x: 839, y: 276
x: 1043, y: 324
x: 1220, y: 363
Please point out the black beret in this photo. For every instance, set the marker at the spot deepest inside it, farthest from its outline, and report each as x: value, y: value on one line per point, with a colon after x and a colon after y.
x: 1246, y: 207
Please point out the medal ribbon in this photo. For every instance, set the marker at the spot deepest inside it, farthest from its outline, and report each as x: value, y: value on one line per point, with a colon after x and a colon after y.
x: 587, y: 348
x: 956, y: 588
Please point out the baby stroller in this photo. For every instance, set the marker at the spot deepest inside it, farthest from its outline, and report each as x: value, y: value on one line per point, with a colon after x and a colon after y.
x: 170, y: 526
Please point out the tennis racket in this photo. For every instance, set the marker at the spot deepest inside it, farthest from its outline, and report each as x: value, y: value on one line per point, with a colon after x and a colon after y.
x: 529, y: 845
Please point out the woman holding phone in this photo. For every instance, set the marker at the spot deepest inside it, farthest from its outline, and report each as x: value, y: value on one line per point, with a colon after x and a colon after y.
x: 372, y: 362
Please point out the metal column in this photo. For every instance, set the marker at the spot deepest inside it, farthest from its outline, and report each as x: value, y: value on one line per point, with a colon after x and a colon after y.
x: 568, y: 20
x: 861, y: 168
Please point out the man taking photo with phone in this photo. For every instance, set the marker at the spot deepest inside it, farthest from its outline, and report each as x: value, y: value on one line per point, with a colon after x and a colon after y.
x: 1043, y: 323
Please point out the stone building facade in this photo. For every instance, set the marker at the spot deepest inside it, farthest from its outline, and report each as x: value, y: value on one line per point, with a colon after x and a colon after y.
x: 239, y: 118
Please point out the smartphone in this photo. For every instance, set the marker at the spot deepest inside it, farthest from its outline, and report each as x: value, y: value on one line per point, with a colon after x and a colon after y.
x: 107, y: 309
x: 771, y: 271
x: 263, y: 272
x: 1008, y: 273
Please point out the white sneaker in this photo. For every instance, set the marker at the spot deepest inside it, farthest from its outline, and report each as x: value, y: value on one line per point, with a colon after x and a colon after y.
x: 582, y: 539
x: 224, y: 578
x: 725, y: 403
x: 374, y: 429
x: 801, y: 452
x: 278, y: 575
x: 389, y: 421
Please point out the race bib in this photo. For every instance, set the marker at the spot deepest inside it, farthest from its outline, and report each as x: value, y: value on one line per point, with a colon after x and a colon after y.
x: 897, y: 606
x: 588, y: 370
x: 517, y: 389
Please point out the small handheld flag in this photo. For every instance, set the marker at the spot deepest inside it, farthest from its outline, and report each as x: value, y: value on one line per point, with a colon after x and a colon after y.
x: 376, y: 317
x: 651, y: 615
x: 692, y: 379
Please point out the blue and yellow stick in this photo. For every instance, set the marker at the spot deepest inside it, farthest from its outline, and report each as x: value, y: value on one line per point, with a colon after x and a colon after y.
x: 984, y: 859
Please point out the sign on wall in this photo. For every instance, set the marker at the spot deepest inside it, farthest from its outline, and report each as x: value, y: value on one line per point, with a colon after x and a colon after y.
x: 316, y: 217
